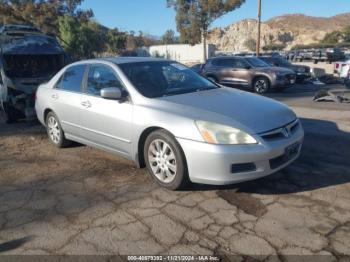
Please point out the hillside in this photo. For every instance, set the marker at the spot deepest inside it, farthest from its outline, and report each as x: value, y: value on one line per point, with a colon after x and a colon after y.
x: 289, y: 29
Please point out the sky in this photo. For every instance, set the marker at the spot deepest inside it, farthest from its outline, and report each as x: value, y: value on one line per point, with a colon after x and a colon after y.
x: 154, y: 18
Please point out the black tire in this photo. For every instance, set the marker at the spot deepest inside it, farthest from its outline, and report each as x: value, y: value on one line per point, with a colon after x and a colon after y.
x: 11, y: 114
x: 261, y: 89
x: 61, y: 141
x: 177, y: 179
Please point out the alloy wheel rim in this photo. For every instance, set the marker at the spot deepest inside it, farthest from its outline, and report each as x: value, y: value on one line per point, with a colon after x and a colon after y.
x: 260, y: 86
x: 54, y: 130
x: 162, y: 161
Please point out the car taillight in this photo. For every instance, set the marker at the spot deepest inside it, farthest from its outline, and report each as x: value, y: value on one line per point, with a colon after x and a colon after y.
x: 336, y: 66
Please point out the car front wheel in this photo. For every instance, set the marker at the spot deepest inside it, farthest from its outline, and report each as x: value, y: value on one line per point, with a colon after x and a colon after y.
x: 165, y: 160
x: 55, y: 132
x: 261, y: 85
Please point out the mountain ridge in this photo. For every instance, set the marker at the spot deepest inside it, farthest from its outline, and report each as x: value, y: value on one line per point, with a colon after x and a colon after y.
x: 289, y: 29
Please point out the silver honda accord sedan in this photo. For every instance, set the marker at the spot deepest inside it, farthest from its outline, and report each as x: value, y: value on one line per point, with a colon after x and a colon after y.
x: 163, y: 116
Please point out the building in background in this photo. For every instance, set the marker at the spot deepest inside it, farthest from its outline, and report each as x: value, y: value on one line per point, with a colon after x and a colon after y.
x: 186, y: 54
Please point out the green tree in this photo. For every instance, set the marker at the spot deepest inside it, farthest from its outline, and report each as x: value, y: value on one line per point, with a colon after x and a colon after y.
x: 169, y: 37
x: 131, y: 43
x: 82, y: 40
x: 285, y: 38
x: 346, y: 34
x: 250, y: 44
x: 43, y: 14
x: 116, y: 41
x: 193, y: 17
x: 69, y: 33
x: 333, y: 38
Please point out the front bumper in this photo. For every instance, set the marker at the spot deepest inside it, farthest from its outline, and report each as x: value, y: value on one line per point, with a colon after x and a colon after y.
x: 301, y: 77
x: 284, y: 81
x: 212, y: 164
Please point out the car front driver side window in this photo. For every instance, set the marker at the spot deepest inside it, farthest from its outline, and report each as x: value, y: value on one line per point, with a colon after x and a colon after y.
x: 101, y: 76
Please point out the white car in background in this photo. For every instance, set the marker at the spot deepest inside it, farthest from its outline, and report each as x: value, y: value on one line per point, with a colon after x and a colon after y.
x: 342, y: 68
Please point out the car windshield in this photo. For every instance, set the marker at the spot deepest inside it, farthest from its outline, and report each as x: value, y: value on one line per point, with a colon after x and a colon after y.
x: 255, y: 62
x: 282, y: 62
x: 164, y: 78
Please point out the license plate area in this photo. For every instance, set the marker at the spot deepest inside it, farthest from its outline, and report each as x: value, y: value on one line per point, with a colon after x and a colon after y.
x: 292, y: 151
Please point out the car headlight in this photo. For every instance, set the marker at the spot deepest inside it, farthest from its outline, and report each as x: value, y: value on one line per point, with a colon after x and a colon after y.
x: 225, y: 135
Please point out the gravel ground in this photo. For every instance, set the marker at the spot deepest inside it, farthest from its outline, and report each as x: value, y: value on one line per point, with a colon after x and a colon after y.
x: 84, y: 201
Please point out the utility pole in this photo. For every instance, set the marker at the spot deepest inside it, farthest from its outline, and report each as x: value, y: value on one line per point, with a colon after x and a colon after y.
x: 204, y: 42
x: 259, y: 29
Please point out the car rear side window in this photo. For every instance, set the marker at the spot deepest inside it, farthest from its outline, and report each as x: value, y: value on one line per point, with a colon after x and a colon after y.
x: 222, y: 62
x: 72, y: 79
x: 230, y: 62
x: 101, y: 76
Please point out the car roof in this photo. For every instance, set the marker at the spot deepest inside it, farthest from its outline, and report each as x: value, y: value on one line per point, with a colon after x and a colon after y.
x: 129, y: 59
x: 227, y: 57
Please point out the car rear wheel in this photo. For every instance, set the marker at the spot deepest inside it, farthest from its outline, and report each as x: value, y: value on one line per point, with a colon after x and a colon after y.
x: 261, y: 85
x: 55, y: 132
x: 165, y: 160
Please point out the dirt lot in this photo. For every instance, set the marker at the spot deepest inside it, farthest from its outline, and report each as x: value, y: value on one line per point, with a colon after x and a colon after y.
x: 84, y: 201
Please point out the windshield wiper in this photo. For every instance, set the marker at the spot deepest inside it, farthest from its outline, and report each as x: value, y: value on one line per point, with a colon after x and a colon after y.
x: 185, y: 91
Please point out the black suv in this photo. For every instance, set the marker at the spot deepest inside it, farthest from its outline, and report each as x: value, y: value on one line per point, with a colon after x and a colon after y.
x: 302, y: 72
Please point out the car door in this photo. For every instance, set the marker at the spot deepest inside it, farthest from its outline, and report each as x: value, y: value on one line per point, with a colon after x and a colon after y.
x: 106, y: 123
x: 235, y: 71
x: 65, y: 99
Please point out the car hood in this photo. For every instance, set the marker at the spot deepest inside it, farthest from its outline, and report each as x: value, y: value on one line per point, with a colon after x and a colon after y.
x: 296, y: 67
x: 249, y: 112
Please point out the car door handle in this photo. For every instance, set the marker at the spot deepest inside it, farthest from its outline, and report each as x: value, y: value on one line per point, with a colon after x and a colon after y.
x: 86, y: 104
x: 55, y: 96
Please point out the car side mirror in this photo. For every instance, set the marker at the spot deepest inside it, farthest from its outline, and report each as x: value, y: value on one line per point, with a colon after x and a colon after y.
x: 248, y: 67
x: 112, y: 93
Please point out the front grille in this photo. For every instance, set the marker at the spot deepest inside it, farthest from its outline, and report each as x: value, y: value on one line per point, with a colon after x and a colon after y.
x: 282, y: 132
x: 290, y: 77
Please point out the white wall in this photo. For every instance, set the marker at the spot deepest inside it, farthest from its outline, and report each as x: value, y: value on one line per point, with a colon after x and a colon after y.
x: 186, y: 54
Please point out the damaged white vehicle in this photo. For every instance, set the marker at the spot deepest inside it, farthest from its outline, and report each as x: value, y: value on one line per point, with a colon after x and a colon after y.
x: 28, y: 58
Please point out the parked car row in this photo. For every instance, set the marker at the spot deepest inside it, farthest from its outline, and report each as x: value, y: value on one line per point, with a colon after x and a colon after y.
x: 181, y: 126
x: 329, y: 55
